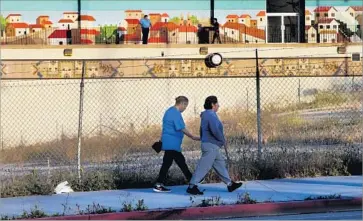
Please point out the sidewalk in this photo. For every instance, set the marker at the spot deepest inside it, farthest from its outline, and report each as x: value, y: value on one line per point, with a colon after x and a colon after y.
x: 281, y: 190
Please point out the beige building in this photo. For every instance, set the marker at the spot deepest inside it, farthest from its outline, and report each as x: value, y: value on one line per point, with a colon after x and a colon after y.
x: 232, y: 18
x: 134, y: 14
x: 245, y: 19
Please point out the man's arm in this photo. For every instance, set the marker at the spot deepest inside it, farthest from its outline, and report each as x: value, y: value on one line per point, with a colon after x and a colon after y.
x: 186, y: 132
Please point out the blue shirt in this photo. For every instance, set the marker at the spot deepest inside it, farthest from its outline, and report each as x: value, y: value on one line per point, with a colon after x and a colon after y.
x: 145, y: 23
x: 172, y: 134
x: 211, y: 128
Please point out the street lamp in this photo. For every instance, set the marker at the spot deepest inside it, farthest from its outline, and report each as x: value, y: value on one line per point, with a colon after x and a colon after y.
x: 213, y: 60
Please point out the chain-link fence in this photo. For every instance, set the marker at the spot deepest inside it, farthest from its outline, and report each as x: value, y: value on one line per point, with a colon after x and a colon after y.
x: 309, y: 126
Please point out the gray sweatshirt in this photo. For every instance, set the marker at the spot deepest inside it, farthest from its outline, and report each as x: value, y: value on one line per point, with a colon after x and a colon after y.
x: 211, y: 128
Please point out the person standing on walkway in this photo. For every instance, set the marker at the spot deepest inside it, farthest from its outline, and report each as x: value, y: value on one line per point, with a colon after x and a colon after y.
x: 212, y: 138
x: 145, y: 27
x: 173, y: 132
x: 216, y: 31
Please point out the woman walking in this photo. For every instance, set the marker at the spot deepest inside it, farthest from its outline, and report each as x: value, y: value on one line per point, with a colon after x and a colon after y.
x: 212, y: 138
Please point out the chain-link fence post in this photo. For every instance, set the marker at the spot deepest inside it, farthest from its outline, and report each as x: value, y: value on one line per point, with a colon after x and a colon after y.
x: 258, y: 97
x: 80, y: 123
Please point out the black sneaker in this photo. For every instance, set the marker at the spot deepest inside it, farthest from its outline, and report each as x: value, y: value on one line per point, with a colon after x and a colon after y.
x: 194, y: 190
x: 234, y: 186
x: 161, y: 189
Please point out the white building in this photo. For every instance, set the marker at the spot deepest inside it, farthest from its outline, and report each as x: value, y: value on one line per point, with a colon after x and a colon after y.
x: 311, y: 34
x: 325, y: 12
x: 328, y: 24
x: 87, y: 21
x: 261, y: 20
x: 70, y: 15
x: 187, y: 34
x: 67, y: 24
x: 328, y: 36
x: 164, y: 17
x: 13, y: 18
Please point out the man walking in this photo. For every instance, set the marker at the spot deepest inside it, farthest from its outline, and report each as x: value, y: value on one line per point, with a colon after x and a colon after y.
x: 172, y: 137
x: 145, y: 27
x: 216, y: 31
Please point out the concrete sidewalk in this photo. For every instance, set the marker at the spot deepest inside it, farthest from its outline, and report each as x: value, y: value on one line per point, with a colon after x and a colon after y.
x: 279, y: 190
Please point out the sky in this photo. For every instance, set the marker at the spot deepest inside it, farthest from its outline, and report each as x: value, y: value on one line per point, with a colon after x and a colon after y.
x: 111, y: 11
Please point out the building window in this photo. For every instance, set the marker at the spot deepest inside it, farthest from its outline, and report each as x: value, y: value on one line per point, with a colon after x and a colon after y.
x: 232, y: 32
x: 17, y: 19
x: 33, y: 30
x: 321, y: 26
x: 328, y: 27
x: 332, y: 14
x: 313, y: 35
x: 325, y: 40
x: 352, y: 14
x: 260, y: 19
x: 63, y: 25
x: 19, y: 32
x: 69, y: 16
x: 334, y: 26
x: 307, y: 18
x: 326, y: 15
x: 317, y: 15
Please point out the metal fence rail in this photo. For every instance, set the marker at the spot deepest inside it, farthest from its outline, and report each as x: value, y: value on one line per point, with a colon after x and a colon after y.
x: 121, y: 118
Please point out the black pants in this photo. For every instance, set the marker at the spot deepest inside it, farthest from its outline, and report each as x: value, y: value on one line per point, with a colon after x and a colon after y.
x: 216, y: 36
x: 169, y: 157
x: 145, y: 35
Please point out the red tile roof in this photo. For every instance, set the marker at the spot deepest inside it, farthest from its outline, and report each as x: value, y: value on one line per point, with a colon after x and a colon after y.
x: 133, y: 11
x: 261, y: 13
x: 89, y: 32
x: 12, y: 15
x: 308, y: 27
x: 87, y: 18
x: 58, y: 34
x: 357, y: 8
x: 154, y: 14
x: 245, y: 16
x: 232, y: 16
x: 169, y: 25
x: 157, y: 40
x: 19, y: 25
x: 47, y: 23
x: 187, y: 28
x: 165, y: 15
x: 86, y: 41
x: 43, y: 16
x: 254, y: 32
x: 326, y: 20
x: 66, y: 21
x: 35, y: 26
x: 323, y: 8
x: 132, y: 21
x: 132, y: 37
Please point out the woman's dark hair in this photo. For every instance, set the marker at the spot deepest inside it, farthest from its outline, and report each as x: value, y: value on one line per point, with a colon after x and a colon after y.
x: 209, y: 101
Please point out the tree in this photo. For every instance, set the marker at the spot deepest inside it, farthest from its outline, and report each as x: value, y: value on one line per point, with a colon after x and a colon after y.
x: 107, y: 33
x: 176, y: 20
x: 2, y: 23
x: 194, y: 19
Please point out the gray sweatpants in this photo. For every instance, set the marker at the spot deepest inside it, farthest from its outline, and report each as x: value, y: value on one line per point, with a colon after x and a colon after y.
x: 211, y: 157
